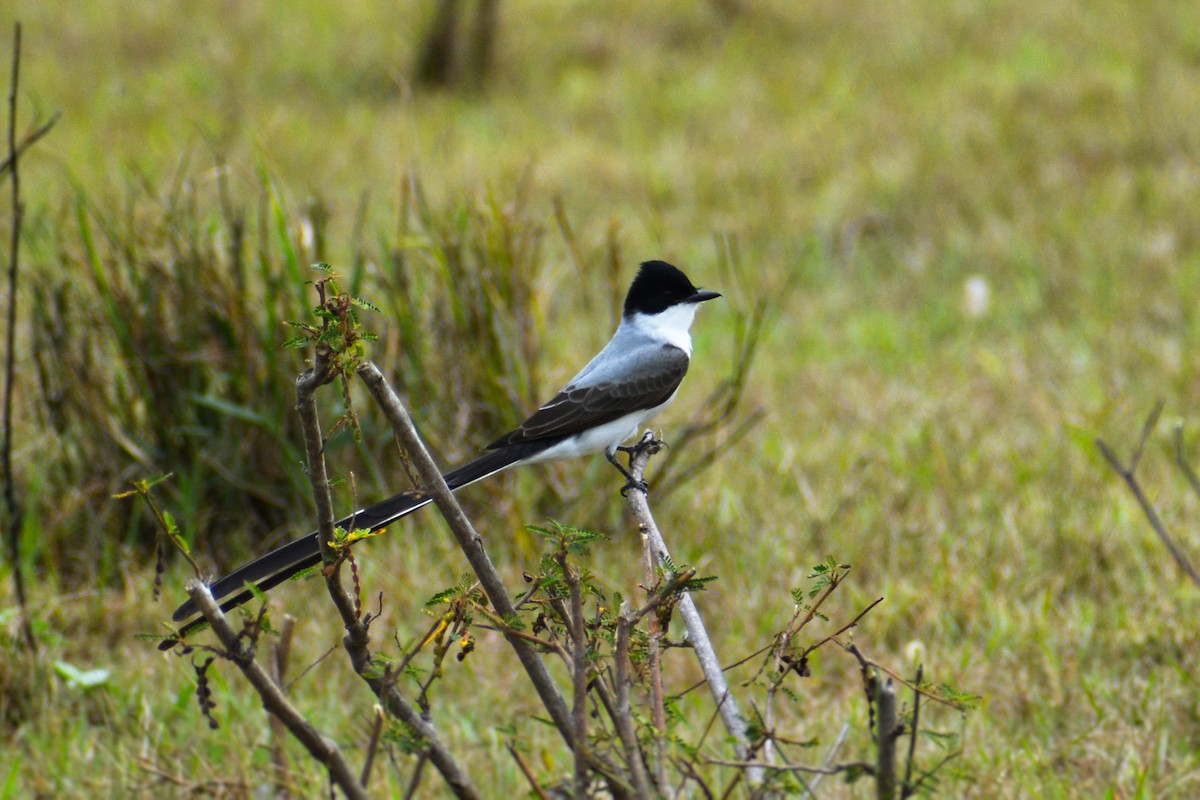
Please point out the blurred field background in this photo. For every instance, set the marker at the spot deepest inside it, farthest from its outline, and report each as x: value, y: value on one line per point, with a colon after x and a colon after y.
x: 973, y: 226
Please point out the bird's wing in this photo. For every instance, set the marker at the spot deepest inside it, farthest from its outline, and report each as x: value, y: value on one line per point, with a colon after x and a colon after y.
x: 647, y: 383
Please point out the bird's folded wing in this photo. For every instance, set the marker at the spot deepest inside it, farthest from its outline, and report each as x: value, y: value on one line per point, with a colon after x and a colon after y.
x: 650, y: 383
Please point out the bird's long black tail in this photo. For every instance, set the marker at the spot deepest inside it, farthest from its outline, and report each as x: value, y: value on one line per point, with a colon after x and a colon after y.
x: 298, y: 555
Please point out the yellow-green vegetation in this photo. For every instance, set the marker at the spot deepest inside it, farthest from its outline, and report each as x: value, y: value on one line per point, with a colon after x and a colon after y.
x: 975, y: 229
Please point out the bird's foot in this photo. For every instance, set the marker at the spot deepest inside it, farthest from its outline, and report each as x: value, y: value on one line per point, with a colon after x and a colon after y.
x: 630, y: 481
x: 638, y: 486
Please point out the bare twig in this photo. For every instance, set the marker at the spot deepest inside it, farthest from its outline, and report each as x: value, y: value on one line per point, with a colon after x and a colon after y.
x: 833, y: 637
x: 15, y: 511
x: 467, y: 538
x: 885, y: 738
x: 241, y: 653
x: 414, y: 782
x: 1128, y: 474
x: 528, y: 773
x: 783, y: 658
x: 689, y: 774
x: 830, y: 756
x: 834, y: 770
x: 698, y: 637
x: 280, y: 655
x: 1184, y: 465
x: 321, y: 373
x: 579, y: 674
x: 373, y: 744
x: 623, y: 718
x: 28, y: 140
x: 493, y: 586
x: 357, y: 639
x: 907, y: 790
x: 655, y: 633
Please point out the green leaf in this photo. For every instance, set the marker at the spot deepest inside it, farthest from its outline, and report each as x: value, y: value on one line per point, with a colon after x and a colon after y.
x: 231, y: 410
x: 444, y: 596
x: 10, y: 782
x: 365, y: 304
x: 81, y: 679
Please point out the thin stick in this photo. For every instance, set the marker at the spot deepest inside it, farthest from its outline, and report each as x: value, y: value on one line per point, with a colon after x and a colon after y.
x: 1127, y: 474
x: 280, y: 656
x: 373, y: 744
x: 835, y: 770
x: 528, y: 773
x: 414, y: 782
x: 658, y: 711
x: 471, y: 544
x: 833, y: 751
x: 29, y: 140
x: 579, y: 676
x: 469, y: 540
x: 15, y: 511
x: 698, y: 637
x: 885, y: 738
x: 1182, y: 462
x: 907, y: 789
x: 274, y: 700
x: 358, y: 640
x: 623, y: 718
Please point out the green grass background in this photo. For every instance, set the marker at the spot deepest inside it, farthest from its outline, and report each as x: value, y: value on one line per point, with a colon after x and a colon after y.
x: 857, y: 166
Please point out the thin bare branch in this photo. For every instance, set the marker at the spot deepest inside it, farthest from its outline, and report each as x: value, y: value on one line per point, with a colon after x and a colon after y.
x: 373, y: 742
x: 16, y: 512
x: 830, y: 756
x: 528, y: 773
x: 470, y: 542
x: 280, y: 656
x: 623, y: 718
x: 885, y: 738
x: 867, y: 663
x: 835, y: 770
x: 852, y: 623
x: 414, y: 781
x: 579, y: 676
x: 907, y: 789
x: 710, y: 665
x: 1128, y: 474
x: 1184, y: 465
x: 27, y: 141
x: 357, y: 639
x: 241, y: 653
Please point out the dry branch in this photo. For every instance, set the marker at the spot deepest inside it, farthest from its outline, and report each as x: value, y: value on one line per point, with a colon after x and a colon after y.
x: 15, y: 510
x: 698, y: 637
x: 1128, y: 474
x: 471, y: 544
x: 357, y: 639
x: 241, y: 652
x: 886, y: 730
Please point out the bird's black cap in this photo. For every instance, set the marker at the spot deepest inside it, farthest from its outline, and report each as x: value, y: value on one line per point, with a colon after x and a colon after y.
x: 658, y: 286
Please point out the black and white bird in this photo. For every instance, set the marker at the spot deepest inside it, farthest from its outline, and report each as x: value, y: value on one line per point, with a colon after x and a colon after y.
x: 634, y: 377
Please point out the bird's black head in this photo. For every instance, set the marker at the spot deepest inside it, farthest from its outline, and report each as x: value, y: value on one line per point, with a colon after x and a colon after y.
x: 658, y: 286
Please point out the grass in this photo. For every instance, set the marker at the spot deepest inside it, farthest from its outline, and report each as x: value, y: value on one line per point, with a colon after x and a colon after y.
x: 863, y: 165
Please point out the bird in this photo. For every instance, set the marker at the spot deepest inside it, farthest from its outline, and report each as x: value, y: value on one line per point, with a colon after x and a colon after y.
x: 634, y: 377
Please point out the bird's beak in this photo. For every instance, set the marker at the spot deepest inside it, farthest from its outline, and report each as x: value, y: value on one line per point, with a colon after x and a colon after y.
x: 704, y: 294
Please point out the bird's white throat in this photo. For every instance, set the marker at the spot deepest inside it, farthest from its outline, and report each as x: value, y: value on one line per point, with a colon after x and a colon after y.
x: 670, y: 326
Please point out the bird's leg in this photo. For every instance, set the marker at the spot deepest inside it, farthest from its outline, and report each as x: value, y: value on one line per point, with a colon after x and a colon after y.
x: 648, y: 442
x: 631, y: 482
